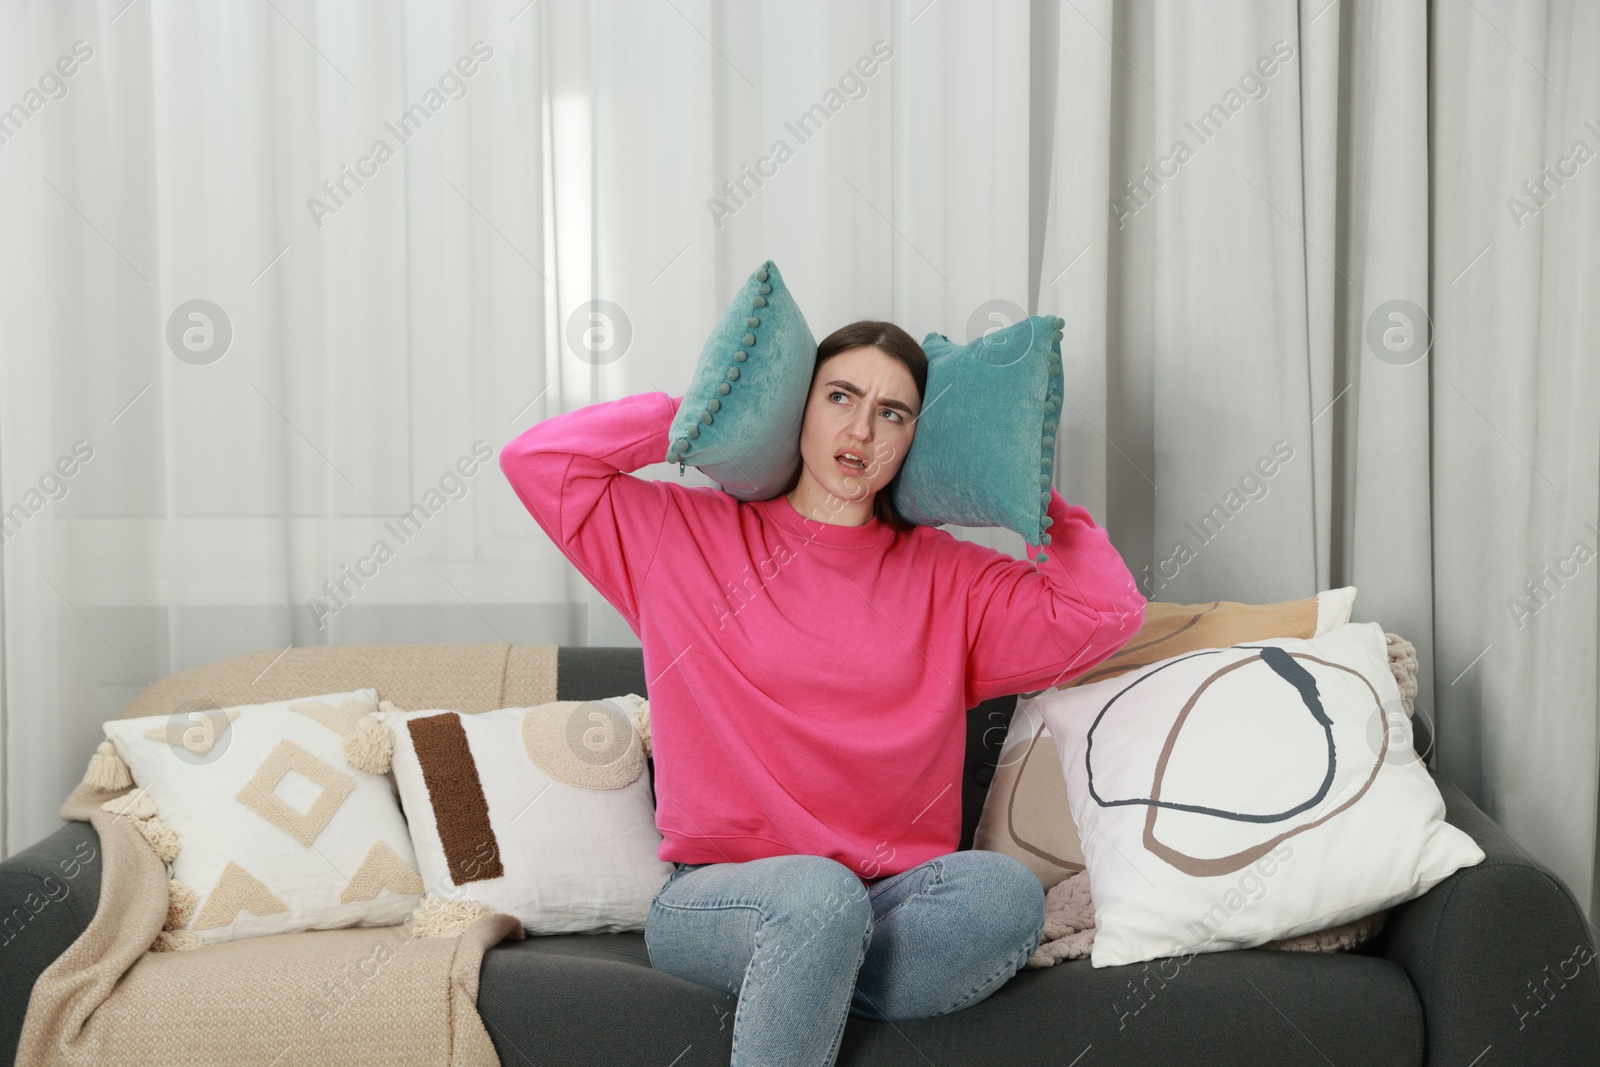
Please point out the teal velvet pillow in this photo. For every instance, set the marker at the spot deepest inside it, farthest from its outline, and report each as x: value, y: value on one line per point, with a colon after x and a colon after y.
x: 740, y: 417
x: 984, y: 450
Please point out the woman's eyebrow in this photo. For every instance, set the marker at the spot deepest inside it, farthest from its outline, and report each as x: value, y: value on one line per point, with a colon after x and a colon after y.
x: 851, y: 387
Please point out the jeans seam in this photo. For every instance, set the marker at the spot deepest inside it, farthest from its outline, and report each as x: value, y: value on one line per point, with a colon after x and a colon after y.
x: 885, y: 916
x: 755, y: 951
x: 711, y: 907
x: 1013, y: 964
x: 838, y: 1034
x: 761, y: 921
x: 938, y: 879
x: 738, y: 1008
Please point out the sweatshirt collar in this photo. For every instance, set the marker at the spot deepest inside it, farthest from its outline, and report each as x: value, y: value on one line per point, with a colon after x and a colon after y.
x: 778, y: 509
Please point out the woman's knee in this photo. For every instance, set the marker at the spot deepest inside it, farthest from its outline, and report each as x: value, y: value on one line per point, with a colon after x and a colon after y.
x: 815, y: 911
x: 1014, y: 895
x: 993, y: 910
x: 768, y: 912
x: 818, y: 890
x: 1022, y: 887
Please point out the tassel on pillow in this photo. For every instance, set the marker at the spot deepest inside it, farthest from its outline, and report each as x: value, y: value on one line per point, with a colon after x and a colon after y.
x: 135, y: 805
x: 181, y: 904
x: 163, y: 839
x: 641, y: 725
x: 176, y: 941
x: 107, y: 773
x: 370, y: 746
x: 438, y: 917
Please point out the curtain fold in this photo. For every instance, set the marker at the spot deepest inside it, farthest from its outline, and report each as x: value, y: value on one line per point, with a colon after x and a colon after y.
x: 1516, y: 418
x: 294, y: 272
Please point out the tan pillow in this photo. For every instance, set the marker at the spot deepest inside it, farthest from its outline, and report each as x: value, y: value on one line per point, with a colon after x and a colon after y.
x: 1025, y: 814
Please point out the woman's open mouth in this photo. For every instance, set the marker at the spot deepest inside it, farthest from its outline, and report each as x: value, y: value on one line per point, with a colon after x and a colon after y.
x: 850, y: 462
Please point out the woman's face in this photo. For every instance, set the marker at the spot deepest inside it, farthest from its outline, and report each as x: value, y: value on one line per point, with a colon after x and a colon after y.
x: 861, y: 401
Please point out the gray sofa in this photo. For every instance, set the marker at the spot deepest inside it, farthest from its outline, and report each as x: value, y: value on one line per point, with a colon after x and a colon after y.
x: 1478, y: 972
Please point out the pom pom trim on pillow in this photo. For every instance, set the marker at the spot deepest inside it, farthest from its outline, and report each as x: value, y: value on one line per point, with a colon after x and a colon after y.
x: 1047, y: 434
x: 684, y: 444
x: 748, y: 441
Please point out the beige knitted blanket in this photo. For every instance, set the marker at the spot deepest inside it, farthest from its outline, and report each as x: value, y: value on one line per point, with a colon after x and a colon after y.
x: 1069, y: 928
x: 364, y: 995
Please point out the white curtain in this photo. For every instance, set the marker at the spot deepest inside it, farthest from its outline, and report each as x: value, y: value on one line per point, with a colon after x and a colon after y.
x: 1246, y: 212
x: 1515, y: 409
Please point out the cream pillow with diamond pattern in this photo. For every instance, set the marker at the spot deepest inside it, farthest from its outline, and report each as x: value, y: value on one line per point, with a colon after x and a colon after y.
x: 275, y: 831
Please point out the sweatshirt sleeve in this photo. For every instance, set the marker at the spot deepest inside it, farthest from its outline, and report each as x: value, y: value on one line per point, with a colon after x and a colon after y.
x: 1033, y: 626
x: 571, y: 473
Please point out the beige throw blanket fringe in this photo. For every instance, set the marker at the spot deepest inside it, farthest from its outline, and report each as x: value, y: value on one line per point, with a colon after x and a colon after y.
x: 362, y: 995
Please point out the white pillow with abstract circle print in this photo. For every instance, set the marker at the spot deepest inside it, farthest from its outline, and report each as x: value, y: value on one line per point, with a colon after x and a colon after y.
x: 1232, y: 796
x: 275, y: 831
x: 543, y: 813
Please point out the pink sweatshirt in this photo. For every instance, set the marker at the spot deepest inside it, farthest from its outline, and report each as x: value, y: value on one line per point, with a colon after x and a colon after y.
x: 808, y: 682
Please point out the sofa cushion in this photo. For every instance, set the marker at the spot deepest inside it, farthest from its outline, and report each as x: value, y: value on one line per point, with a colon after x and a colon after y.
x: 600, y: 1002
x: 541, y: 813
x: 275, y: 831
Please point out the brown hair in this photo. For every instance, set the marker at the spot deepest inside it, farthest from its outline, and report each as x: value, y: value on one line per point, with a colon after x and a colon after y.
x: 895, y: 343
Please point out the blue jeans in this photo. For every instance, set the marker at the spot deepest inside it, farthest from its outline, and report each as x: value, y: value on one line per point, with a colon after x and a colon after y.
x: 805, y: 943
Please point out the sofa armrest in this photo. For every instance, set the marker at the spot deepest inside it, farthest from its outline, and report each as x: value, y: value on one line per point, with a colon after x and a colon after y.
x: 48, y: 894
x: 1500, y: 955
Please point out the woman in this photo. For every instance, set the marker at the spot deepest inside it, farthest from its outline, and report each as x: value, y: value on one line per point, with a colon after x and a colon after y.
x: 809, y: 660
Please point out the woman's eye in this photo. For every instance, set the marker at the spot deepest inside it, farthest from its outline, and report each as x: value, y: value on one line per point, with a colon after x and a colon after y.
x: 887, y: 411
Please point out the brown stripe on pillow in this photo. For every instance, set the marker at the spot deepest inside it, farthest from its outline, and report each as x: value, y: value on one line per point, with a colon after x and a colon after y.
x: 459, y: 807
